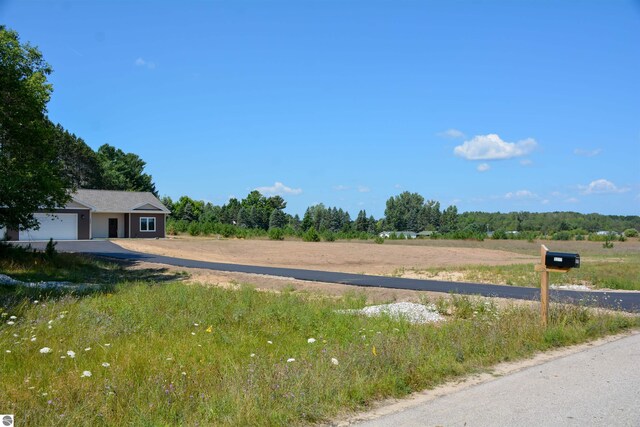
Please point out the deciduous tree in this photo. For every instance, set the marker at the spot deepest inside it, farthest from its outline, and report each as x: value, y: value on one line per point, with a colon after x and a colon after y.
x: 30, y: 169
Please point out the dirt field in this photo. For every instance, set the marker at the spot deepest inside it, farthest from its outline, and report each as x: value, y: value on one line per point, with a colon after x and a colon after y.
x: 347, y: 257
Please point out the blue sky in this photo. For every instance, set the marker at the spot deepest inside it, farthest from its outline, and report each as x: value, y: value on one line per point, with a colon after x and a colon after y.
x: 488, y: 105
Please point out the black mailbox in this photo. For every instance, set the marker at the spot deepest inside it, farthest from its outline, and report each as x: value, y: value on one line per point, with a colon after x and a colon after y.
x: 562, y: 260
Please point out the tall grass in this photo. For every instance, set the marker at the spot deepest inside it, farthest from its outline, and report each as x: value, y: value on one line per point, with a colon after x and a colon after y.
x: 188, y: 355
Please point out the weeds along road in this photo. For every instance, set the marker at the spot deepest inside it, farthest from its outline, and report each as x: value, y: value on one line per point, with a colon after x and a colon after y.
x: 595, y: 387
x: 627, y: 301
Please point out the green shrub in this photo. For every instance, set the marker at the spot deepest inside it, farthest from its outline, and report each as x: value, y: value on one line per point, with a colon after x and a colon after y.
x: 171, y: 229
x: 311, y: 235
x: 181, y: 226
x: 630, y: 232
x: 499, y: 235
x: 193, y: 229
x: 561, y: 235
x: 227, y: 230
x: 276, y: 233
x: 579, y: 237
x: 599, y: 237
x: 379, y: 240
x: 329, y: 236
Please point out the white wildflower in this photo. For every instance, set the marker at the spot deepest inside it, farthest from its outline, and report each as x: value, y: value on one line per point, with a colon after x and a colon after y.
x: 11, y: 322
x: 71, y: 354
x: 269, y: 342
x: 252, y: 355
x: 13, y: 317
x: 311, y: 340
x: 87, y: 349
x: 106, y: 364
x: 291, y: 360
x: 85, y: 374
x: 184, y: 373
x: 334, y: 360
x: 45, y: 350
x: 8, y: 351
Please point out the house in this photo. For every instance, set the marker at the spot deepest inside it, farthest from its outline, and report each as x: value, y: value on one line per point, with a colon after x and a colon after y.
x: 95, y: 214
x: 398, y: 234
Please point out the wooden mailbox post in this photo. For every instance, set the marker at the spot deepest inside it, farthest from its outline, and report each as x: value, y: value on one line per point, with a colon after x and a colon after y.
x: 557, y: 262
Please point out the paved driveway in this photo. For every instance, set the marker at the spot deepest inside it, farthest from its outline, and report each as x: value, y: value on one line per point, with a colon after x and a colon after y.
x: 628, y: 301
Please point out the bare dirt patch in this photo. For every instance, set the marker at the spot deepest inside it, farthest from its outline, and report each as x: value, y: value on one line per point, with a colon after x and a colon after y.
x: 347, y: 257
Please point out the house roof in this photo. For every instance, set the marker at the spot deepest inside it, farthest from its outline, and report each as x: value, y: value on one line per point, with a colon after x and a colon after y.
x: 119, y: 201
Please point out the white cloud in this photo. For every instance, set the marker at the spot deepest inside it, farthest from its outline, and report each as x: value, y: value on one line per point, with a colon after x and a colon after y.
x: 140, y: 62
x: 483, y: 167
x: 340, y: 187
x: 520, y: 195
x: 491, y: 147
x: 279, y: 189
x: 526, y: 162
x: 587, y: 153
x: 545, y: 202
x: 452, y: 133
x: 398, y: 187
x: 572, y: 200
x: 363, y: 189
x: 601, y: 186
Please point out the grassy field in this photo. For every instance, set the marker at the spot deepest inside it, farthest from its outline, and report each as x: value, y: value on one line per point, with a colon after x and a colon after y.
x: 601, y: 268
x: 163, y: 353
x: 598, y: 272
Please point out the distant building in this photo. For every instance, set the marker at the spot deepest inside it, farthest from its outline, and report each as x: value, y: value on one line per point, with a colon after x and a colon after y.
x: 399, y: 234
x: 607, y: 233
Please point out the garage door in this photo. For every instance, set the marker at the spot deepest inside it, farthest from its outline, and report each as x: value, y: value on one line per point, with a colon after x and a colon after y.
x: 62, y: 226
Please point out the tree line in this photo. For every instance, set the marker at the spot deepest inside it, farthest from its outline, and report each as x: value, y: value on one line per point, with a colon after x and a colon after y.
x: 260, y: 215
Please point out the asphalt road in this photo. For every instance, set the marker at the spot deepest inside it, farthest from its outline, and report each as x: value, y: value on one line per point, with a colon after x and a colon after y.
x: 627, y: 301
x: 595, y: 387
